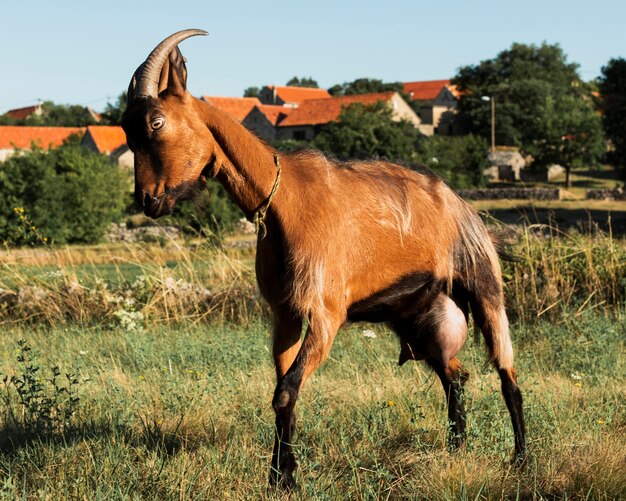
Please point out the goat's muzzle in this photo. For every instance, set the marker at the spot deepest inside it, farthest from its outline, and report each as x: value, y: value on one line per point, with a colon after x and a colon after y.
x: 155, y: 207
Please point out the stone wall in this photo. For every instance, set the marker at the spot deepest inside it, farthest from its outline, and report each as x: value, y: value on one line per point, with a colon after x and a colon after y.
x: 511, y: 194
x: 606, y: 194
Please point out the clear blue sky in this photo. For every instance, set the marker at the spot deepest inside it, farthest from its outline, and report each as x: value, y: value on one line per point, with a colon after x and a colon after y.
x: 84, y: 52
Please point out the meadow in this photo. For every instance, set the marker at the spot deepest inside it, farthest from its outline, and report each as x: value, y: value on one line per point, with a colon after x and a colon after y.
x: 144, y: 372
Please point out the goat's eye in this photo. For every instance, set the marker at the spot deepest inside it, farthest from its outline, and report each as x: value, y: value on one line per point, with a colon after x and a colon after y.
x: 157, y: 123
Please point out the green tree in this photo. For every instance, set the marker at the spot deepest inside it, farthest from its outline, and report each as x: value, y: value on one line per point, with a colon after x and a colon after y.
x: 251, y: 92
x: 369, y: 132
x: 112, y: 114
x: 535, y: 89
x: 613, y: 92
x: 302, y: 82
x: 57, y: 115
x: 364, y: 86
x: 68, y: 195
x: 459, y: 160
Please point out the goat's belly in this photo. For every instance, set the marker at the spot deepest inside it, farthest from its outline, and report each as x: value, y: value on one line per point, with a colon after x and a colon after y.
x: 406, y: 298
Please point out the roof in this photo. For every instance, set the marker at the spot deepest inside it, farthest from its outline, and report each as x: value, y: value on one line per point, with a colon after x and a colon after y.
x: 107, y: 138
x: 21, y: 136
x: 236, y: 107
x: 427, y: 90
x: 299, y: 94
x: 274, y: 113
x: 23, y: 113
x: 322, y: 111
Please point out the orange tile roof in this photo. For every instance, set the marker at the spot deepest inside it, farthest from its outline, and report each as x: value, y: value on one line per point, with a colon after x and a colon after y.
x: 107, y: 138
x: 22, y: 113
x: 299, y: 94
x: 236, y: 107
x: 275, y: 113
x: 21, y: 136
x: 425, y: 91
x: 322, y: 111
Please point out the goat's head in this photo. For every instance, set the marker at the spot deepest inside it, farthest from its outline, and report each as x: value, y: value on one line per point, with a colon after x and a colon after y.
x: 172, y: 146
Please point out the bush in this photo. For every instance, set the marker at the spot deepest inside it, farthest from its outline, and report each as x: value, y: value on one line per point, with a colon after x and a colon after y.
x: 66, y: 195
x: 460, y: 160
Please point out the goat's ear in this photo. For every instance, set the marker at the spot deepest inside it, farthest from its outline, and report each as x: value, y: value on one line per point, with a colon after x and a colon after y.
x: 174, y: 74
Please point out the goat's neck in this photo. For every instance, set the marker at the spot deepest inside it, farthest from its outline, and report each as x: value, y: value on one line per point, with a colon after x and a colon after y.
x: 246, y: 164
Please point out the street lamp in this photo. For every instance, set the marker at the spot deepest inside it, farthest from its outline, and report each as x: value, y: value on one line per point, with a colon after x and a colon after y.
x: 493, y: 120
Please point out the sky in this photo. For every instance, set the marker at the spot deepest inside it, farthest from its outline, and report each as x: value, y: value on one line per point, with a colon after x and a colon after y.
x: 84, y: 52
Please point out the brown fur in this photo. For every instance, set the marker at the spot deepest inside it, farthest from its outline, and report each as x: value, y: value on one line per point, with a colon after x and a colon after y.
x: 338, y: 234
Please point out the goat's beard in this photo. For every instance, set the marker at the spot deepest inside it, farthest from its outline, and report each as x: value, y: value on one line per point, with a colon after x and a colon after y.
x: 188, y: 190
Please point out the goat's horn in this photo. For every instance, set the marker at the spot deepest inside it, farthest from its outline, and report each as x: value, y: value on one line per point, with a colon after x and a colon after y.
x: 147, y: 75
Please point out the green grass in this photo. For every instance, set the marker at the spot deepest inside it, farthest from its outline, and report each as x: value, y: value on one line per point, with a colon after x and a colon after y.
x: 185, y: 413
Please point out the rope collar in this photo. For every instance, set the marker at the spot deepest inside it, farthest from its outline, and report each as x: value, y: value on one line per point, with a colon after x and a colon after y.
x: 259, y: 215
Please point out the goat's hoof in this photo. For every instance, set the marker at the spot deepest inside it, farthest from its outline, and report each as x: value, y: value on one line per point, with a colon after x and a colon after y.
x: 455, y: 442
x: 282, y: 480
x: 520, y: 460
x: 282, y: 476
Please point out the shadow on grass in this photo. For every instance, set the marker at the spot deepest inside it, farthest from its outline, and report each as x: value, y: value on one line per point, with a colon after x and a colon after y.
x: 167, y: 441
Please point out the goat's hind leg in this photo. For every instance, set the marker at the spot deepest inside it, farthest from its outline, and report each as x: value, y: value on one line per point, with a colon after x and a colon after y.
x: 448, y: 321
x: 453, y: 378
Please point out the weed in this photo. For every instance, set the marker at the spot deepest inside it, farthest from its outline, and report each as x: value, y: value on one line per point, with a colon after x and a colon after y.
x: 48, y: 405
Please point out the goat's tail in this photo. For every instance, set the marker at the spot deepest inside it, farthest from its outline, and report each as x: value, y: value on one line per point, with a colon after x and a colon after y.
x: 477, y: 268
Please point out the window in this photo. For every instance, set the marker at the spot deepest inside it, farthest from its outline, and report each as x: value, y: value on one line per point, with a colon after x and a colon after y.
x: 299, y: 135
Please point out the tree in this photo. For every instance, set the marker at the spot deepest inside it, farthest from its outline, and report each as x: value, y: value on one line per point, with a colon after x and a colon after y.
x: 613, y: 92
x: 57, y: 115
x: 302, y: 82
x: 68, y: 195
x: 369, y: 132
x: 459, y: 160
x: 251, y: 92
x: 112, y: 114
x: 539, y: 99
x: 364, y: 86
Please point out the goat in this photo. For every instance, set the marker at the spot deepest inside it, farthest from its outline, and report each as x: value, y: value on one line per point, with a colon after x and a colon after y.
x: 341, y: 241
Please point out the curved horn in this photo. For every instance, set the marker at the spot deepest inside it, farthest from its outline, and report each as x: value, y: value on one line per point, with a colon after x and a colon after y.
x: 145, y: 81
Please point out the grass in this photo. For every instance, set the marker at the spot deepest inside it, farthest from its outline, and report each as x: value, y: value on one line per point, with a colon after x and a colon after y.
x: 185, y: 413
x: 170, y: 351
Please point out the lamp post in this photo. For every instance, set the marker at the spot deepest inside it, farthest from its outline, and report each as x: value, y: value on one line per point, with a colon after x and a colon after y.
x: 493, y: 120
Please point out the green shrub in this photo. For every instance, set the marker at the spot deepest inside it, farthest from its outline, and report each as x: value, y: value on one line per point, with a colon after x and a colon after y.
x: 460, y: 160
x: 66, y: 195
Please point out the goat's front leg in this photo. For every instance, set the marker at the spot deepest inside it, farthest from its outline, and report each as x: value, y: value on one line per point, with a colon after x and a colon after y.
x: 312, y: 353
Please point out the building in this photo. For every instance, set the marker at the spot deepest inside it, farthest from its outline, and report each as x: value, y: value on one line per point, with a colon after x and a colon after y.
x: 24, y: 113
x: 304, y: 121
x: 437, y: 101
x: 264, y: 119
x: 236, y: 107
x: 290, y: 96
x: 109, y: 140
x: 22, y: 137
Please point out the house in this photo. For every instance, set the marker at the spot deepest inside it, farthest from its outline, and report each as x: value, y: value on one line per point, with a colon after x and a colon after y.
x: 290, y: 96
x: 24, y: 113
x: 264, y: 118
x: 109, y: 140
x: 22, y: 137
x: 236, y: 107
x: 304, y: 121
x: 437, y: 100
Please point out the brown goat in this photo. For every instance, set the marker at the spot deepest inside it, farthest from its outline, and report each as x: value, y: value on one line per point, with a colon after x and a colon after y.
x: 345, y: 241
